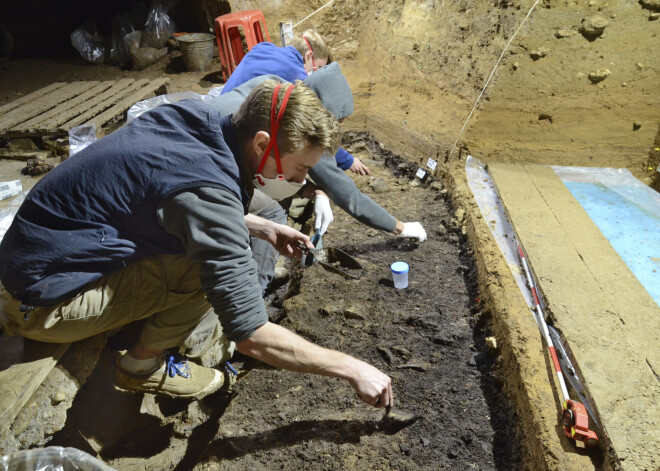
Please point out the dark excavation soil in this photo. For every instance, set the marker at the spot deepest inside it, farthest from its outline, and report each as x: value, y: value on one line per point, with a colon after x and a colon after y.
x: 428, y: 338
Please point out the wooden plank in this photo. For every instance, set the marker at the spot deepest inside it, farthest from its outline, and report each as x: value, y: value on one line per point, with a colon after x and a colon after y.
x: 51, y: 119
x: 117, y: 88
x: 79, y: 113
x: 107, y: 100
x: 20, y: 380
x: 25, y: 155
x: 43, y: 104
x: 126, y: 103
x: 610, y: 322
x: 30, y: 97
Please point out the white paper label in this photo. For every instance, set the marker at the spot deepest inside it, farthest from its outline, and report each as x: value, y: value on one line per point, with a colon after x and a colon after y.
x: 420, y: 173
x: 432, y: 164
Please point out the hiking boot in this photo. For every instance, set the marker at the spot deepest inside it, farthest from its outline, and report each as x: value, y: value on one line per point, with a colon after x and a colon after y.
x: 176, y: 378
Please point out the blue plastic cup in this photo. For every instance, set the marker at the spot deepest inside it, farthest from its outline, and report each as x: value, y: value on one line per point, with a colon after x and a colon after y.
x: 400, y: 274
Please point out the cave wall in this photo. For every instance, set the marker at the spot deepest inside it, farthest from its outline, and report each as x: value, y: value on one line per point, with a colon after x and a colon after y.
x: 417, y: 67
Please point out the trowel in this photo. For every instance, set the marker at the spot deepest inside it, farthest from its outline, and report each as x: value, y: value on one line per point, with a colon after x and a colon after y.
x: 332, y: 259
x: 396, y: 419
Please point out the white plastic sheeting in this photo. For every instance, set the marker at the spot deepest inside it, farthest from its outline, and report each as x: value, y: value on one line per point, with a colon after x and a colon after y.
x: 493, y: 213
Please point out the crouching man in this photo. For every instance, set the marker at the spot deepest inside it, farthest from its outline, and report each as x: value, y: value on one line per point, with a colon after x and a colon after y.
x: 148, y: 223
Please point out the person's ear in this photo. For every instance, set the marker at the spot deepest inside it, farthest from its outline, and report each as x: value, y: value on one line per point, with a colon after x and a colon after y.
x: 308, y: 56
x: 260, y: 142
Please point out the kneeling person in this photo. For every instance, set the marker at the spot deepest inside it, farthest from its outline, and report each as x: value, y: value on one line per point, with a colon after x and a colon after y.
x: 148, y: 223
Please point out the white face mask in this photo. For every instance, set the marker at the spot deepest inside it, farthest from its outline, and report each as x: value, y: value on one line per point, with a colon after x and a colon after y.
x: 279, y: 187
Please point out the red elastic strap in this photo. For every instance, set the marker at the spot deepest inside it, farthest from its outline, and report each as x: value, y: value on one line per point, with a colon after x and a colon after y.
x: 310, y: 50
x: 275, y: 120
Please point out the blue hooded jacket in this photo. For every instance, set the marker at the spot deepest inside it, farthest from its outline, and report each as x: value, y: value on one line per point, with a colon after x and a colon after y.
x: 264, y: 59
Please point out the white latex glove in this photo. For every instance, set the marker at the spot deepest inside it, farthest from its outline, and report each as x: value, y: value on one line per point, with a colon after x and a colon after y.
x: 413, y: 230
x: 323, y: 214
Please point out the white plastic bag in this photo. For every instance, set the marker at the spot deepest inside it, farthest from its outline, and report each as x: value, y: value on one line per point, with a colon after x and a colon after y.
x: 53, y: 458
x: 80, y: 137
x: 151, y: 103
x: 90, y: 44
x: 159, y: 26
x: 9, y: 189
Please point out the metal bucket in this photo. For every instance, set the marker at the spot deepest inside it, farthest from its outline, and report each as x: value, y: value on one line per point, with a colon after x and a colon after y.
x: 197, y: 50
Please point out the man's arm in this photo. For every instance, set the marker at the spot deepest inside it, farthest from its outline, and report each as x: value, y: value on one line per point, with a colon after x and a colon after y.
x: 343, y: 192
x: 282, y: 348
x: 210, y: 224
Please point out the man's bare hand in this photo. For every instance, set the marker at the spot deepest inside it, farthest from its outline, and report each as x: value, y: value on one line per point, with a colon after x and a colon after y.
x: 277, y: 346
x: 372, y: 385
x: 359, y: 168
x: 285, y: 239
x: 288, y: 241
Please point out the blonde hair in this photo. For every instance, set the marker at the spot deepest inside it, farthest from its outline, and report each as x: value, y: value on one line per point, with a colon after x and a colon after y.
x: 320, y: 48
x: 305, y: 121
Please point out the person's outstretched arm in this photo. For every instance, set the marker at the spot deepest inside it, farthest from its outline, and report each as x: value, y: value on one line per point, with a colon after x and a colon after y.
x: 282, y: 348
x: 345, y: 194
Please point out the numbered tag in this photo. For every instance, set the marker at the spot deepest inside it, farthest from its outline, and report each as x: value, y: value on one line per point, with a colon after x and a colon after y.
x: 421, y: 173
x: 432, y: 164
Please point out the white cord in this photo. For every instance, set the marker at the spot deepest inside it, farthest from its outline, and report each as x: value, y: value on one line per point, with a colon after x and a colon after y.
x: 491, y: 76
x: 315, y: 13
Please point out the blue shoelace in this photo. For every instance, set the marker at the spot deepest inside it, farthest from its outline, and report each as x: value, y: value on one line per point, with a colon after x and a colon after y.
x: 176, y: 365
x: 230, y: 369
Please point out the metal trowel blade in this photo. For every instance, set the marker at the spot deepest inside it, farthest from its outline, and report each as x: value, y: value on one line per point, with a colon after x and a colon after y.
x: 397, y: 419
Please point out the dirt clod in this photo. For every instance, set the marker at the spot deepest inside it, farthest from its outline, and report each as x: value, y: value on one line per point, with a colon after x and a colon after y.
x: 565, y: 33
x: 592, y: 27
x: 599, y: 75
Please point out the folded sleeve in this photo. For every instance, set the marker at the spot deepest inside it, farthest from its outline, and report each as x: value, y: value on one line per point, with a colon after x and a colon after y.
x: 344, y: 159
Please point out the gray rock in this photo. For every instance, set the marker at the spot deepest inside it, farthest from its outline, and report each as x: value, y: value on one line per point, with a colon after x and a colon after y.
x: 565, y: 33
x: 404, y: 449
x: 653, y: 5
x: 379, y: 185
x: 537, y: 54
x: 352, y: 313
x: 437, y: 186
x: 599, y: 75
x: 593, y: 26
x: 425, y: 441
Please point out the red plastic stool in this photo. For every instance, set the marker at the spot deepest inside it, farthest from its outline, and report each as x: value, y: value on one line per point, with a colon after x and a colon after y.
x: 230, y: 43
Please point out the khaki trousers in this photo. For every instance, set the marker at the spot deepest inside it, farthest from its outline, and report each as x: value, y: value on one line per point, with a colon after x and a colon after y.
x: 164, y: 289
